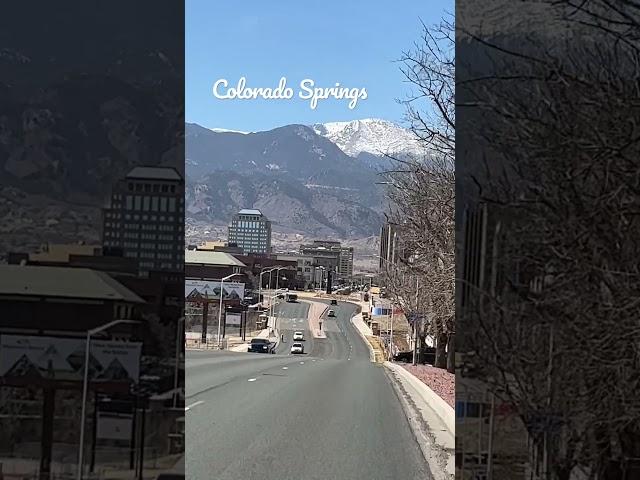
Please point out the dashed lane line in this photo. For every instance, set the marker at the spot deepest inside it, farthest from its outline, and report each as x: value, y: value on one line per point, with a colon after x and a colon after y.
x: 186, y: 409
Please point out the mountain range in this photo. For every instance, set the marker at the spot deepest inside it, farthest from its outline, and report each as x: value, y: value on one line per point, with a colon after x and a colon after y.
x: 320, y: 180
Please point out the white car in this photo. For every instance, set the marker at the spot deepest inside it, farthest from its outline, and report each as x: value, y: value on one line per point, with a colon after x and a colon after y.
x: 298, y: 337
x: 331, y: 313
x: 297, y: 348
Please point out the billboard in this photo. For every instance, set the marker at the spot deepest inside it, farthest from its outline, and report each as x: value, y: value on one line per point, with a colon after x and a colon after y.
x: 209, y: 289
x: 114, y: 426
x: 197, y: 336
x: 233, y: 319
x: 62, y: 359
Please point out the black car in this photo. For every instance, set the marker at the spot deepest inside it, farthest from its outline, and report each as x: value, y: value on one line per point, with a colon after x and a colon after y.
x: 262, y: 345
x: 334, y: 302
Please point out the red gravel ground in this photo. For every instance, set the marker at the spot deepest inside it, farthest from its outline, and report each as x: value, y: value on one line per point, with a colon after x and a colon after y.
x: 437, y: 379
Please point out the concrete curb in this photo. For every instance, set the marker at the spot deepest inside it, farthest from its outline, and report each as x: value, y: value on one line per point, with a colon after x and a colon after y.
x: 435, y: 441
x: 363, y: 335
x: 372, y: 353
x: 442, y: 409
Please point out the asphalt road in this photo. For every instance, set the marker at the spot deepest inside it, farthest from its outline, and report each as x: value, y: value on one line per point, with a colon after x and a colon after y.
x: 328, y: 414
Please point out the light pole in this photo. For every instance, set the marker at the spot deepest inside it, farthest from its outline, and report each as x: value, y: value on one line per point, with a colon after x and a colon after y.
x: 278, y: 275
x: 222, y: 295
x: 391, y: 336
x: 260, y: 288
x: 85, y: 387
x: 177, y: 366
x: 269, y: 284
x: 321, y: 275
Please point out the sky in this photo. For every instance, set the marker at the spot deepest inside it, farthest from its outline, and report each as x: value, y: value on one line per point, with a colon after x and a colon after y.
x: 353, y: 42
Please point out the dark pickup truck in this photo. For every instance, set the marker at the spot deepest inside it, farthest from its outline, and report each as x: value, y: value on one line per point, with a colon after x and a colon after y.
x: 262, y: 345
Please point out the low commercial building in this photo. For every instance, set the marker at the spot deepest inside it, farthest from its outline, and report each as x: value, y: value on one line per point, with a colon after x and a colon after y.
x: 225, y: 247
x: 211, y: 265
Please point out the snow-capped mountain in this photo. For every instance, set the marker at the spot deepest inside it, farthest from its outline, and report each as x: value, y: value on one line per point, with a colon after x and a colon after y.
x: 226, y: 130
x: 373, y: 136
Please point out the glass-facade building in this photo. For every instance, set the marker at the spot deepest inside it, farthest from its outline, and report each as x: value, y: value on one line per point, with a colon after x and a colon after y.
x: 251, y: 231
x: 146, y: 219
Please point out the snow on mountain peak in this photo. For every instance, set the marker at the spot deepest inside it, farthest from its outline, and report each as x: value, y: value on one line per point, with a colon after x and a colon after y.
x: 371, y: 135
x: 225, y: 130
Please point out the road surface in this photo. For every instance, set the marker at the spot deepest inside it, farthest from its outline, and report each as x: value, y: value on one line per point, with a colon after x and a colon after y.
x: 328, y: 414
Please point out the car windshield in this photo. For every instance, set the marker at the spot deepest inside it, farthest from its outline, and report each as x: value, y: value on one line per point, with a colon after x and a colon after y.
x: 259, y: 340
x: 297, y: 345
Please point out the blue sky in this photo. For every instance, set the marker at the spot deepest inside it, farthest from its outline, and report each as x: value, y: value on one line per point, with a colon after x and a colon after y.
x: 353, y: 42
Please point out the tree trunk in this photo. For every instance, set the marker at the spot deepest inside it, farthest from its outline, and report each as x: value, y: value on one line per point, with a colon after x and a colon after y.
x: 441, y: 351
x: 451, y: 353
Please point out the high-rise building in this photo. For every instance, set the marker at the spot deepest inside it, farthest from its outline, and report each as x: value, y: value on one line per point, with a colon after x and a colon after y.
x: 251, y: 231
x: 146, y: 219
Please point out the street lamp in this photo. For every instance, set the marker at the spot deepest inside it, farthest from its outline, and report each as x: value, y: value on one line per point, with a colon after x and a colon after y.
x: 85, y: 386
x: 177, y: 365
x: 260, y: 288
x: 278, y: 275
x: 322, y: 269
x: 221, y: 295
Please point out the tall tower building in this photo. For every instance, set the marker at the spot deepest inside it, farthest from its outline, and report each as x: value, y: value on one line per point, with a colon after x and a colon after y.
x: 146, y: 219
x: 251, y: 231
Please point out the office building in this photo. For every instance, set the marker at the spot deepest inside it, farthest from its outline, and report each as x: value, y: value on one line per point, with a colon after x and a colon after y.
x: 251, y: 231
x: 146, y: 219
x: 304, y: 268
x: 331, y: 256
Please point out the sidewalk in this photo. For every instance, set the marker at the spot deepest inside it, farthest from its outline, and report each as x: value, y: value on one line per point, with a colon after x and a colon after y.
x: 376, y: 350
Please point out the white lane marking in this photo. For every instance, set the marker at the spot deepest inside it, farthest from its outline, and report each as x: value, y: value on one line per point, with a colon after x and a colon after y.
x: 313, y: 360
x: 285, y: 368
x: 186, y: 409
x: 252, y: 380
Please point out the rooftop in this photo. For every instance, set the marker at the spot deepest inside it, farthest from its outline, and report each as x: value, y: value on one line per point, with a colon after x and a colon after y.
x: 62, y: 282
x: 249, y: 211
x: 211, y: 258
x: 61, y: 252
x: 155, y: 173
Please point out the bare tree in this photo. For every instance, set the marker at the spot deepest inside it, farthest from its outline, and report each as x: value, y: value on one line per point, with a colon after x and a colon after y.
x: 421, y: 191
x: 560, y: 333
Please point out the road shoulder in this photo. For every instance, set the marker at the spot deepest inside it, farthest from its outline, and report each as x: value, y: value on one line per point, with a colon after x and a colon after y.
x: 431, y: 419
